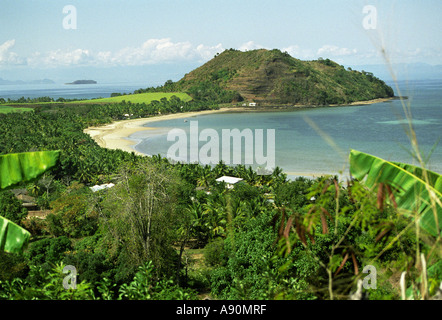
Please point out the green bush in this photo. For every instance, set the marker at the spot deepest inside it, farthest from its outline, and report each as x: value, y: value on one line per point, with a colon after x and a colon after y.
x: 47, y: 252
x: 74, y: 214
x: 145, y: 286
x: 11, y: 208
x: 249, y: 250
x: 12, y: 266
x: 214, y: 253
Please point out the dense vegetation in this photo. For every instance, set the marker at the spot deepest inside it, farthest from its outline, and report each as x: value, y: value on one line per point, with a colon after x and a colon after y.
x: 170, y: 231
x: 271, y: 77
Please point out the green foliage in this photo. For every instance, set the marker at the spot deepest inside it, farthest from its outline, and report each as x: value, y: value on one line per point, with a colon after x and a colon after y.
x: 143, y: 97
x: 17, y: 168
x: 328, y: 241
x: 214, y: 253
x: 273, y: 77
x: 13, y: 238
x: 11, y: 208
x: 73, y: 213
x: 9, y: 109
x: 20, y: 167
x: 12, y: 265
x: 145, y: 286
x: 243, y: 275
x: 132, y: 241
x: 143, y: 225
x: 59, y: 126
x: 415, y: 191
x: 293, y: 194
x: 44, y: 286
x: 48, y: 252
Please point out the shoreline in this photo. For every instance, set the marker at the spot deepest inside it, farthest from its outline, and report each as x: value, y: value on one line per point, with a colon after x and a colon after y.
x: 116, y: 134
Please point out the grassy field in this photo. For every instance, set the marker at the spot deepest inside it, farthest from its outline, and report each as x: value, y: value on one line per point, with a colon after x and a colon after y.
x: 8, y: 109
x: 142, y: 97
x: 134, y: 98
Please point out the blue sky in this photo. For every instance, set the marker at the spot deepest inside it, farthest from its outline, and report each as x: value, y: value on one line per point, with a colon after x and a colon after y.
x: 154, y: 33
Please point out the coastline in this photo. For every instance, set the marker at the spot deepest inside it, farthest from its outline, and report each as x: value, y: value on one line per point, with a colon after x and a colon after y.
x: 115, y: 135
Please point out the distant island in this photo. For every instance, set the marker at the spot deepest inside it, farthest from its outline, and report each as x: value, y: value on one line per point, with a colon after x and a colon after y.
x: 20, y: 82
x: 83, y: 82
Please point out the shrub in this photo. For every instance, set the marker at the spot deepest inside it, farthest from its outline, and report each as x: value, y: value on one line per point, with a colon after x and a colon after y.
x: 214, y: 253
x: 47, y: 252
x: 73, y: 213
x: 11, y: 208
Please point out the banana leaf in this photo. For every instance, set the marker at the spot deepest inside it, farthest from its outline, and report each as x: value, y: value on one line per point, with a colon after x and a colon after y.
x: 13, y: 238
x: 16, y: 168
x: 19, y: 167
x: 413, y: 191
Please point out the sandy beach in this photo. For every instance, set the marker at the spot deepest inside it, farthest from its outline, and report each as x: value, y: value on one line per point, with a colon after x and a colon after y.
x: 115, y: 135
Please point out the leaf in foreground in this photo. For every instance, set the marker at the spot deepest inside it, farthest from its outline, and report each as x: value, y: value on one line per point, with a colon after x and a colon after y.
x: 13, y: 238
x: 414, y: 189
x: 18, y: 167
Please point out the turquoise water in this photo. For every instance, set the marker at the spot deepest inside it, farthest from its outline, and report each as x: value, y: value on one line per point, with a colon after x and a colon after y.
x: 301, y: 149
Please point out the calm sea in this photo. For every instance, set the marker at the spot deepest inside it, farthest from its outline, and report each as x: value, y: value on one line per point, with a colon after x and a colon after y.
x: 84, y: 91
x: 318, y: 140
x: 307, y: 141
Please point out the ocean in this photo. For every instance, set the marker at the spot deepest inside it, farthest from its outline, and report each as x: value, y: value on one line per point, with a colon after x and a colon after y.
x: 84, y: 91
x: 315, y: 141
x: 308, y: 141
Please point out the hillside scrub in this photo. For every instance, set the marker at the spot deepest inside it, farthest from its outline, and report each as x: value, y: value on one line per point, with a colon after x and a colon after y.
x: 271, y: 77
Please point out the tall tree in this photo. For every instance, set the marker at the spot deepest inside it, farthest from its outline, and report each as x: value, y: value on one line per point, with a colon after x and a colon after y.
x: 139, y: 213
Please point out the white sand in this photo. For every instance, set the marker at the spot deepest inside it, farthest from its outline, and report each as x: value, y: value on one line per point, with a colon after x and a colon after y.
x: 114, y: 135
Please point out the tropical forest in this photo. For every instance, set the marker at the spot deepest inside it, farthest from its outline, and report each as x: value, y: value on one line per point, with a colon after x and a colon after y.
x: 164, y: 230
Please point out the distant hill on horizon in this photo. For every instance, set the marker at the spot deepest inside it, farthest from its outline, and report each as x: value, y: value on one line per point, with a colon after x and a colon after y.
x: 403, y: 71
x: 19, y: 82
x: 272, y: 77
x: 83, y: 82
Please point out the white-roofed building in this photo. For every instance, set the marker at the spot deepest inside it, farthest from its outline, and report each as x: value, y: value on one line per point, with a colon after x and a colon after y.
x: 101, y: 187
x: 230, y: 181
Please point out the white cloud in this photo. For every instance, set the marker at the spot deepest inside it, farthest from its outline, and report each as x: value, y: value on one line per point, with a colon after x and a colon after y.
x: 7, y: 57
x: 299, y: 53
x: 61, y: 58
x: 207, y: 52
x: 330, y: 50
x: 152, y: 51
x: 250, y: 45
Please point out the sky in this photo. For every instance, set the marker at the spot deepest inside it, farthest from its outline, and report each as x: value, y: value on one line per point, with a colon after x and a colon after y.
x: 164, y: 38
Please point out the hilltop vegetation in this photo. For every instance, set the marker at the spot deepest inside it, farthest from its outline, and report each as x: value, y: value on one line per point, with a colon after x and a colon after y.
x: 272, y: 77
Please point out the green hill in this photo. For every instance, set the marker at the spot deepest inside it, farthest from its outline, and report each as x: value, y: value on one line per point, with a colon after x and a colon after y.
x: 271, y: 77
